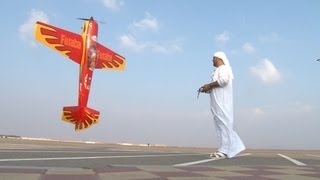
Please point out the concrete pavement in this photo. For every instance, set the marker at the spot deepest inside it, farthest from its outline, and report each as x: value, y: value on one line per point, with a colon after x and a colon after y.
x: 46, y: 160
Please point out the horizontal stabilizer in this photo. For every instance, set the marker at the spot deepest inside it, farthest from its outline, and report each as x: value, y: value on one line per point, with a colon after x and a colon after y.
x: 81, y: 117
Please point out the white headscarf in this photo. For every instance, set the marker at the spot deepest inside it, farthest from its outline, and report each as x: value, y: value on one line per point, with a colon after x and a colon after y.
x: 221, y: 55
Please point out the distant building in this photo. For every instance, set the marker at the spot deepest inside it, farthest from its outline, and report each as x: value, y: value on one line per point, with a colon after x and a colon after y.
x: 10, y: 136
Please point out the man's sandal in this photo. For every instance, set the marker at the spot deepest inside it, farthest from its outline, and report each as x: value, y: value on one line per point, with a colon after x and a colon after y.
x: 218, y: 155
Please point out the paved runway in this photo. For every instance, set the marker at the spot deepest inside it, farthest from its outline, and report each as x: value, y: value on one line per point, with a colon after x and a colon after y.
x: 23, y: 159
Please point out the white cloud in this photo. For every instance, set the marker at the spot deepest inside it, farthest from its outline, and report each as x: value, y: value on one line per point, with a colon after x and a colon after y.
x: 268, y: 38
x: 129, y: 42
x: 222, y: 38
x: 113, y: 4
x: 148, y: 22
x: 287, y: 118
x: 171, y: 47
x: 258, y: 111
x: 139, y: 29
x: 305, y: 108
x: 253, y: 114
x: 248, y: 48
x: 267, y: 72
x: 308, y: 108
x: 26, y: 30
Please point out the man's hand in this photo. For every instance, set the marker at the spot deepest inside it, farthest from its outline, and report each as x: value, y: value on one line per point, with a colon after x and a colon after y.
x: 206, y: 88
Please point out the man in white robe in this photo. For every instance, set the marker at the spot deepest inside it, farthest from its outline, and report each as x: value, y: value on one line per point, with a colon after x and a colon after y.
x: 221, y: 100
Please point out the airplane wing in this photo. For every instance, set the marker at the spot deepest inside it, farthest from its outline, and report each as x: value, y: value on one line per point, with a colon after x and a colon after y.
x: 66, y: 43
x: 107, y: 59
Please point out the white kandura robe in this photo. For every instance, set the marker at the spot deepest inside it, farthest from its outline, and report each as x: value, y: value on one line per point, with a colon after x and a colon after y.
x: 221, y: 99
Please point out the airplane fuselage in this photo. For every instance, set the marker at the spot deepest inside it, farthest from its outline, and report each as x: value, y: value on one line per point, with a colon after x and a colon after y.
x: 88, y: 61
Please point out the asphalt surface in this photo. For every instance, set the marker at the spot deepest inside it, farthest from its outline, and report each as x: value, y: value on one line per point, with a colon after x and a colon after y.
x: 57, y: 154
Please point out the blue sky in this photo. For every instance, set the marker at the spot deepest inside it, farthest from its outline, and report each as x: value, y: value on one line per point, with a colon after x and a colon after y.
x: 272, y: 47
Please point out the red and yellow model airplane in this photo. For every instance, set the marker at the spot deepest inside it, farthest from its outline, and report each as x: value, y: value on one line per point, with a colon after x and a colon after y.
x: 89, y: 54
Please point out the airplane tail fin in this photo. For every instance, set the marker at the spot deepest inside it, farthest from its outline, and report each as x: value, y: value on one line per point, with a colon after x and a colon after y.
x: 81, y: 117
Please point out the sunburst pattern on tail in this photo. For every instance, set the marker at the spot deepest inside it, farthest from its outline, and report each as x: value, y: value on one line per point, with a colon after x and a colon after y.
x: 81, y: 117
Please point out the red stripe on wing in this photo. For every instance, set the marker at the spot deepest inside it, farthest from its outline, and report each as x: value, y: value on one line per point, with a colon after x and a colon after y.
x: 107, y: 59
x: 65, y: 42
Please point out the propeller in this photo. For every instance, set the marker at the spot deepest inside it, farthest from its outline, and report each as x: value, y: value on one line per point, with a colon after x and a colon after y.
x: 91, y: 18
x: 85, y: 19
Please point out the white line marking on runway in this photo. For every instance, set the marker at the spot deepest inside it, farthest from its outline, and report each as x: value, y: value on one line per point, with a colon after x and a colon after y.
x: 313, y: 155
x: 94, y: 157
x: 195, y: 162
x: 69, y: 151
x: 293, y: 160
x: 246, y: 154
x: 205, y: 160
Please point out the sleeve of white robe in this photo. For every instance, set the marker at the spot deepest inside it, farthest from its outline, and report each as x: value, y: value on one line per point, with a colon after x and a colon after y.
x: 223, y: 77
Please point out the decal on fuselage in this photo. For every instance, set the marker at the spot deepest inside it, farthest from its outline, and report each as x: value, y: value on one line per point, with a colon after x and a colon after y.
x: 92, y: 57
